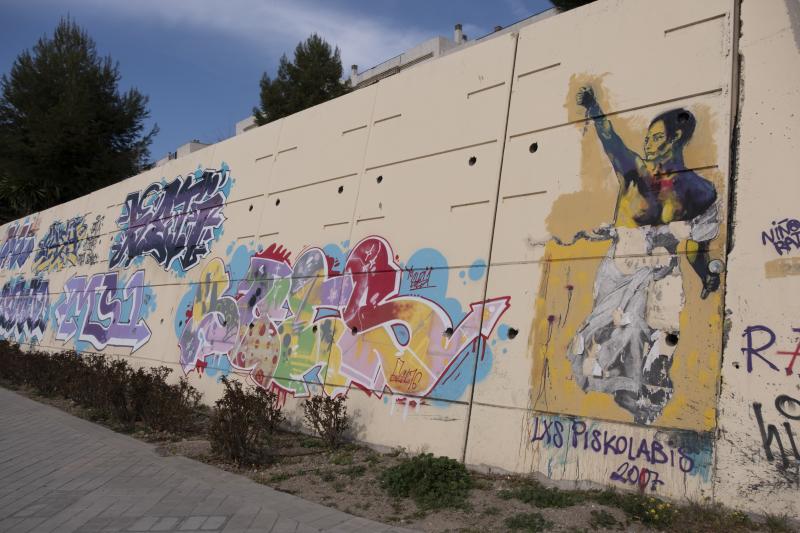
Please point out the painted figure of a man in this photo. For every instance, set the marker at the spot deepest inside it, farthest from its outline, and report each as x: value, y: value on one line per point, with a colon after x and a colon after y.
x: 625, y: 346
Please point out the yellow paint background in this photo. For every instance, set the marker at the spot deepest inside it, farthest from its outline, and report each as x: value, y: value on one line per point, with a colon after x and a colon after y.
x: 696, y: 362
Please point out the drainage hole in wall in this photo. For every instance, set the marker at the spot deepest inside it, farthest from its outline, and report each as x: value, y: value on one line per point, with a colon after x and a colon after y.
x: 379, y: 179
x: 278, y: 201
x: 533, y: 147
x: 448, y: 332
x: 354, y: 331
x: 512, y: 332
x: 672, y: 339
x: 341, y: 189
x: 736, y: 365
x: 314, y: 329
x: 251, y: 207
x: 473, y: 160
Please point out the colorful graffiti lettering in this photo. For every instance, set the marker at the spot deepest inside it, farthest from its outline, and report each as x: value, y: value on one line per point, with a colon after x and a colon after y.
x: 68, y: 244
x: 783, y: 235
x: 18, y: 245
x: 103, y: 311
x: 750, y: 350
x: 24, y: 306
x: 686, y: 451
x: 288, y: 325
x: 789, y: 408
x: 175, y: 222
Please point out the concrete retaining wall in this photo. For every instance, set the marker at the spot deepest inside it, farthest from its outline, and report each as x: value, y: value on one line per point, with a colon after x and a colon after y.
x: 570, y: 250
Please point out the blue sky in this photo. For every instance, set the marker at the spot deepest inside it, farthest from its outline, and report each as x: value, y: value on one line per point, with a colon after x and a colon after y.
x: 200, y: 61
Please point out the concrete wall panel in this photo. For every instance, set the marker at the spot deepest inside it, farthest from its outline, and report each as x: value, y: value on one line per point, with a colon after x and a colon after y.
x: 453, y: 103
x: 759, y: 404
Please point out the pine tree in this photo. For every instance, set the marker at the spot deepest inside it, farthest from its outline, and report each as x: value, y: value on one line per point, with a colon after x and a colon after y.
x: 65, y: 128
x: 312, y: 78
x: 566, y: 5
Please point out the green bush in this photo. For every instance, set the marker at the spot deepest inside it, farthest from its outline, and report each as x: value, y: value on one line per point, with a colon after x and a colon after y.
x: 241, y: 426
x: 161, y: 406
x: 110, y: 389
x: 532, y: 522
x: 327, y: 417
x: 648, y: 510
x: 534, y: 493
x: 433, y: 482
x: 603, y: 519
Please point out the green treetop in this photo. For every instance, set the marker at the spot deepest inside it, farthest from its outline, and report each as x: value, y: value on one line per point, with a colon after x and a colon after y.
x: 65, y: 127
x: 312, y: 78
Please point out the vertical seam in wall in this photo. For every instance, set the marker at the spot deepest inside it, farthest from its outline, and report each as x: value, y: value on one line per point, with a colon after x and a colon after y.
x: 491, y: 246
x: 733, y: 174
x: 374, y: 87
x: 269, y: 180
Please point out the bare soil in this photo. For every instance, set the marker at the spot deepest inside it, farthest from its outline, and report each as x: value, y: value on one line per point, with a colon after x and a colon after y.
x: 348, y: 479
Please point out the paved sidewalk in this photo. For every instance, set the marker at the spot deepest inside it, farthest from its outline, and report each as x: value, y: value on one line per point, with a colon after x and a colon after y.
x: 61, y: 473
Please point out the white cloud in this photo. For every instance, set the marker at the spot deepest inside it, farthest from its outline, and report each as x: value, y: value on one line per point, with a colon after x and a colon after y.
x: 275, y: 26
x: 518, y: 8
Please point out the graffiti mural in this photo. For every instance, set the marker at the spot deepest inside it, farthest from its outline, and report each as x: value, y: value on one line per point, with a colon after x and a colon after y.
x: 621, y: 339
x: 18, y: 243
x: 759, y: 339
x: 786, y: 451
x: 24, y: 306
x: 784, y: 235
x: 290, y: 324
x: 68, y: 244
x: 781, y: 442
x: 173, y: 222
x: 103, y: 310
x: 641, y: 461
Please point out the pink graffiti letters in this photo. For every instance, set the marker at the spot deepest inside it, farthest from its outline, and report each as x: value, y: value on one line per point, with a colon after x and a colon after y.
x: 24, y: 306
x: 99, y: 311
x: 287, y: 324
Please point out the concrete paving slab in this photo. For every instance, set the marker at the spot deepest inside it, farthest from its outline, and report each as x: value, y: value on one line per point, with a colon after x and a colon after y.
x: 69, y: 474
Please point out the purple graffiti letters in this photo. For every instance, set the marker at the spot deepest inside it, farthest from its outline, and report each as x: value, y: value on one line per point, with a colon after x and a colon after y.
x: 578, y: 435
x: 24, y: 306
x: 97, y: 311
x: 783, y: 235
x: 18, y: 245
x: 172, y: 221
x: 768, y: 339
x: 628, y: 473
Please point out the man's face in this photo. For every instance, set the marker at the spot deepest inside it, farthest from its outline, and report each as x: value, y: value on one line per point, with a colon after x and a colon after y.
x: 657, y: 146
